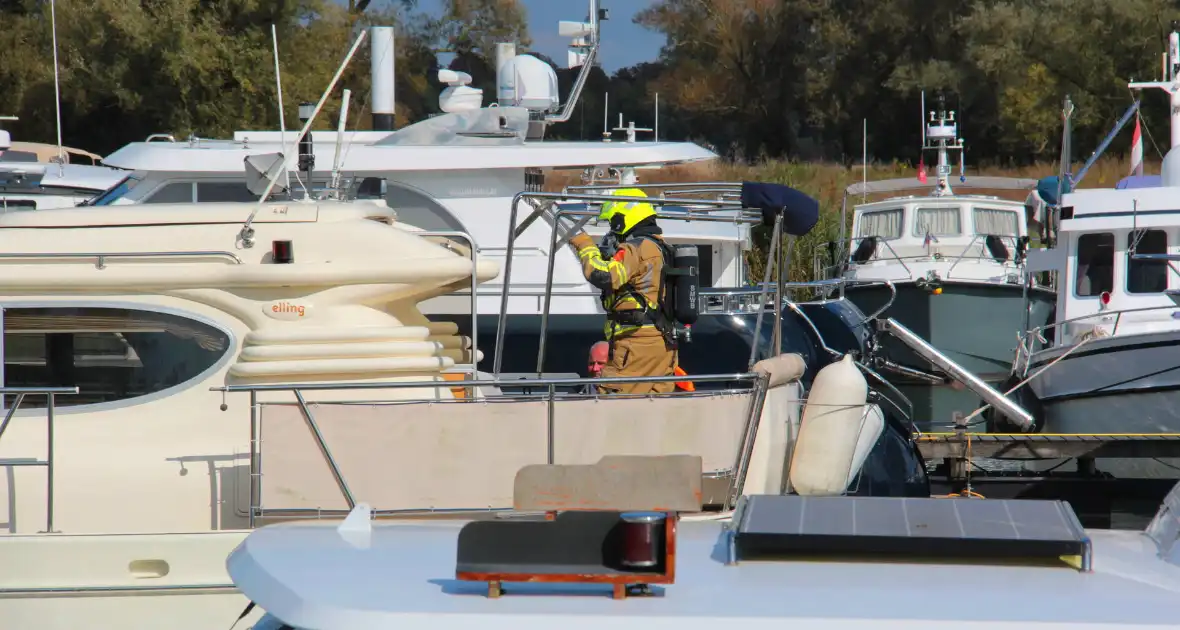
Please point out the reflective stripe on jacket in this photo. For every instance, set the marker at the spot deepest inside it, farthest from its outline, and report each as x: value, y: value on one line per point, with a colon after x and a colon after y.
x: 638, y: 263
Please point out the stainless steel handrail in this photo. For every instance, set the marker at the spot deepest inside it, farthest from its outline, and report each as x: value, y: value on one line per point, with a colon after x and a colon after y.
x: 515, y: 230
x: 884, y: 242
x: 492, y: 382
x: 50, y: 409
x: 1037, y: 333
x: 558, y: 214
x: 757, y: 391
x: 101, y: 257
x: 473, y: 251
x: 966, y: 248
x: 723, y: 186
x: 1117, y: 314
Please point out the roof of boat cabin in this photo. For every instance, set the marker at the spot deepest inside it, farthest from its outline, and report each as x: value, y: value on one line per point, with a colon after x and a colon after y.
x: 191, y: 213
x: 1106, y: 209
x: 402, y: 576
x: 1107, y: 202
x: 912, y: 183
x: 894, y: 202
x: 226, y: 156
x: 46, y: 151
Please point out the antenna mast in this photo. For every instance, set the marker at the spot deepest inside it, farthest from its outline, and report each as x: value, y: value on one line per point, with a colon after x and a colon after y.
x: 274, y: 37
x: 61, y: 154
x: 1170, y: 82
x: 942, y: 135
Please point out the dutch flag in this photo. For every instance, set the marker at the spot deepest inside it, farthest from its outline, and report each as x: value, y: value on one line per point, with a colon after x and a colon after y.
x: 1137, y: 149
x: 929, y: 239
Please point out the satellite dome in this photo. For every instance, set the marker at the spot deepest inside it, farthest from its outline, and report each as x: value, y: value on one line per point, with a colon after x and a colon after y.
x: 528, y: 82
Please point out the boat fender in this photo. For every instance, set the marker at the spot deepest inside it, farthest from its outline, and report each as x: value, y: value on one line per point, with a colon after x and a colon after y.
x: 996, y: 247
x: 864, y: 252
x: 997, y: 422
x: 832, y: 422
x: 781, y: 370
x: 870, y: 434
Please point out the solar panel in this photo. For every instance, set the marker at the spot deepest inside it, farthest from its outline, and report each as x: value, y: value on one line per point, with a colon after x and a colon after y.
x: 770, y: 526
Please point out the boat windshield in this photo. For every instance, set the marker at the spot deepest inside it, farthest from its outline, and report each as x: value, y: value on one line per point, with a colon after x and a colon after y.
x: 117, y: 191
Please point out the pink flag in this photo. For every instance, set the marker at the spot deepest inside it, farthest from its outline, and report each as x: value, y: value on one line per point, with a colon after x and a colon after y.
x: 1137, y: 150
x: 922, y: 169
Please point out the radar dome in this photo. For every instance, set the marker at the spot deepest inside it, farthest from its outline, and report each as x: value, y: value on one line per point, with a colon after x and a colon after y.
x: 526, y: 81
x: 459, y: 95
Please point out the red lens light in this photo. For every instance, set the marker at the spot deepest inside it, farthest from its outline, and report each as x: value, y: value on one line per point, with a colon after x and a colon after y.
x: 1105, y: 297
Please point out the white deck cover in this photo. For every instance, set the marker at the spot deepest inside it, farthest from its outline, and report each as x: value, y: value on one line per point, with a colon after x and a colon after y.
x: 401, y: 575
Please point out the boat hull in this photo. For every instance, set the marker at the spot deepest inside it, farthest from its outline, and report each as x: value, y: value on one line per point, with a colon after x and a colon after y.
x: 1124, y: 384
x: 975, y: 324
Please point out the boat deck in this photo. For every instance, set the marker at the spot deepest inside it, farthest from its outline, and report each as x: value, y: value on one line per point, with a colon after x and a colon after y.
x: 402, y: 576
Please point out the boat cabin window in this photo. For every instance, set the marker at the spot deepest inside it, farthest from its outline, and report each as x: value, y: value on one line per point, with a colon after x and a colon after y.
x: 115, y: 192
x: 176, y: 192
x: 17, y: 204
x: 110, y: 354
x: 420, y: 210
x: 998, y: 222
x: 885, y: 224
x: 946, y: 221
x: 212, y: 192
x: 17, y: 156
x: 1147, y: 276
x: 1095, y: 272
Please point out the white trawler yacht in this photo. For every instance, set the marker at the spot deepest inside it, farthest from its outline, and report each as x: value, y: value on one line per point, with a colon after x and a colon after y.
x: 943, y: 262
x: 1111, y: 364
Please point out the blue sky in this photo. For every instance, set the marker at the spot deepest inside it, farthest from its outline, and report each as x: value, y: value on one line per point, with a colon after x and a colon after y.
x: 624, y: 43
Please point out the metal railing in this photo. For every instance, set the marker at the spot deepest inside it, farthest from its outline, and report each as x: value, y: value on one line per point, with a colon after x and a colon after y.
x: 100, y: 258
x: 759, y: 384
x: 50, y: 407
x: 473, y: 255
x: 515, y: 229
x: 1024, y: 347
x: 966, y: 253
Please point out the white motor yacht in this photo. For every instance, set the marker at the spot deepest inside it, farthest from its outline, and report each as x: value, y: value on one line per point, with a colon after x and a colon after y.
x: 39, y: 176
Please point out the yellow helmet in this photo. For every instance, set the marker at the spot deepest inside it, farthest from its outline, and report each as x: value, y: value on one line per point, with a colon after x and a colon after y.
x: 632, y: 212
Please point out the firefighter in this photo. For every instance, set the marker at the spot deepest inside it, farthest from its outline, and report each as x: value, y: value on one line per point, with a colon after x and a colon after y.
x: 642, y: 340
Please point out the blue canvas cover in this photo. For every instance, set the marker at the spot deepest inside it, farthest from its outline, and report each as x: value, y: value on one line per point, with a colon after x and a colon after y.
x: 800, y: 211
x: 1139, y: 181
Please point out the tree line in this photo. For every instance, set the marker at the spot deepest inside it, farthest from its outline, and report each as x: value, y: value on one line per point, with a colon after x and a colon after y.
x: 749, y: 78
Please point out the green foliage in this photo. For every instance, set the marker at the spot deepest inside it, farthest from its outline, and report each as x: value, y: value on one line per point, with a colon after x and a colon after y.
x: 130, y: 68
x: 799, y: 77
x: 752, y: 79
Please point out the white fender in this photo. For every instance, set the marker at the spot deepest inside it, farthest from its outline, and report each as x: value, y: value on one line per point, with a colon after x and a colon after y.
x: 871, y: 429
x: 829, y: 431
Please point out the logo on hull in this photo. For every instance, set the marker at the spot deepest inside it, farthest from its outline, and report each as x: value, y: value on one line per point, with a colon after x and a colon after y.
x: 288, y: 311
